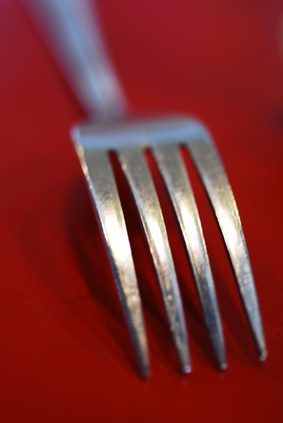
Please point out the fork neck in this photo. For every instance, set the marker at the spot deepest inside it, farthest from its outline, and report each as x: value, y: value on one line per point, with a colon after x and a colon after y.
x: 73, y: 31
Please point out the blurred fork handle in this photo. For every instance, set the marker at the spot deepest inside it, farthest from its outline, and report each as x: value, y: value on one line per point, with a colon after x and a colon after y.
x: 73, y: 32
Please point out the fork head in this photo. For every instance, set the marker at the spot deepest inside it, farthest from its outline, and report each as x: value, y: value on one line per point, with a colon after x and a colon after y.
x: 164, y: 136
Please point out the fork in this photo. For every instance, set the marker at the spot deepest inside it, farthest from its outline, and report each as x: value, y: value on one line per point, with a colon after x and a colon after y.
x: 72, y: 28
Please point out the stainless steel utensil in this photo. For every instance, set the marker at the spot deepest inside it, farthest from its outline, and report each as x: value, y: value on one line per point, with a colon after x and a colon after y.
x: 73, y: 31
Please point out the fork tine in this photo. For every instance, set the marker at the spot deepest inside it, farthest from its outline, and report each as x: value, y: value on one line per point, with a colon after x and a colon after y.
x: 140, y: 181
x: 176, y: 180
x: 214, y: 178
x: 102, y: 185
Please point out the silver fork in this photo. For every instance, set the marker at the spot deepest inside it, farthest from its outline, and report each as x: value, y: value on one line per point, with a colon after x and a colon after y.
x: 73, y: 30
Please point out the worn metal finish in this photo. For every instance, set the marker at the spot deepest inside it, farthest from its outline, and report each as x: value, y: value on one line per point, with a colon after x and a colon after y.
x: 214, y: 178
x: 137, y: 173
x: 181, y: 194
x: 77, y: 43
x: 106, y: 201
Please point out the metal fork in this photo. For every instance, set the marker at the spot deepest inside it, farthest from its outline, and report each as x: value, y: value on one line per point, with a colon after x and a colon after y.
x: 73, y: 29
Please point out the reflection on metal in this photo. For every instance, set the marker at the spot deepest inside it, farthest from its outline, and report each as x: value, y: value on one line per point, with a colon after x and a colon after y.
x: 77, y: 42
x: 180, y: 191
x: 135, y: 168
x: 214, y: 178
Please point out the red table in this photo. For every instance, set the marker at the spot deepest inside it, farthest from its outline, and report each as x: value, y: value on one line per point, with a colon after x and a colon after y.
x: 65, y: 353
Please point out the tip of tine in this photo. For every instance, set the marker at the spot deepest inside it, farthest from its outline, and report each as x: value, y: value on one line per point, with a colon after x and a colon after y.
x: 187, y: 368
x: 145, y: 373
x: 263, y: 355
x: 223, y: 366
x: 144, y: 368
x: 74, y: 133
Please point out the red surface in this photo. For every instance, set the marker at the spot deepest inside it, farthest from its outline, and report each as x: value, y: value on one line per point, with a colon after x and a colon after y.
x: 65, y: 353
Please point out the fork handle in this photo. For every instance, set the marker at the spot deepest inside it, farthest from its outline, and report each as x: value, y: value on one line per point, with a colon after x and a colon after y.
x: 73, y: 31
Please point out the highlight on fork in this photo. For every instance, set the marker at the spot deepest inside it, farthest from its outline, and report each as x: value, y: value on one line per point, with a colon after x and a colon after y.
x: 155, y: 160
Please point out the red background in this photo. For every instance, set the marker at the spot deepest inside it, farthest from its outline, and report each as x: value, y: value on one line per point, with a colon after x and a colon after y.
x: 65, y: 353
